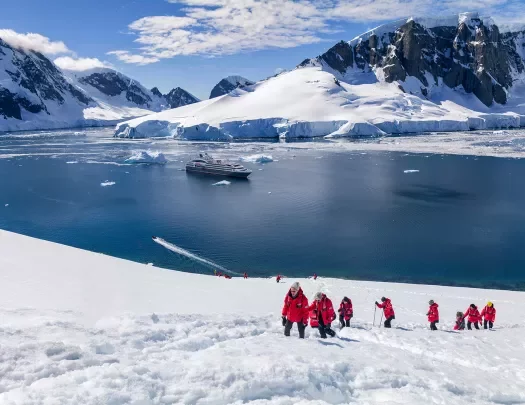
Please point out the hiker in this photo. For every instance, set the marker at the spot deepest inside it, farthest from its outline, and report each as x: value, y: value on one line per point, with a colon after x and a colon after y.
x: 315, y: 276
x: 489, y: 313
x: 346, y: 312
x: 324, y: 311
x: 388, y: 310
x: 219, y: 274
x: 214, y: 272
x: 473, y: 316
x: 278, y: 278
x: 245, y: 275
x: 295, y: 310
x: 227, y: 276
x: 433, y: 315
x: 460, y: 321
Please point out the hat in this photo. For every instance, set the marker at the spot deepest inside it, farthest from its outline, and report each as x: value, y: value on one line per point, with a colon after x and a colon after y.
x: 346, y: 299
x: 295, y: 286
x: 318, y: 296
x: 472, y: 306
x: 490, y: 304
x: 383, y: 299
x: 458, y: 314
x: 431, y: 302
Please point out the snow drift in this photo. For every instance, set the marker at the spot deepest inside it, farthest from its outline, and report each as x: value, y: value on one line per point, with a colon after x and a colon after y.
x: 81, y: 327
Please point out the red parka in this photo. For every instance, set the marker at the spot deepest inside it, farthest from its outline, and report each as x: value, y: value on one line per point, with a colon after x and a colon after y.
x: 473, y: 314
x: 346, y: 309
x: 387, y: 308
x: 324, y: 308
x: 433, y: 313
x: 295, y: 309
x: 489, y: 313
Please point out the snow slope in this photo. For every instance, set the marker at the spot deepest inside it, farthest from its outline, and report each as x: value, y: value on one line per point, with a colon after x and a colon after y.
x: 80, y: 327
x: 308, y: 102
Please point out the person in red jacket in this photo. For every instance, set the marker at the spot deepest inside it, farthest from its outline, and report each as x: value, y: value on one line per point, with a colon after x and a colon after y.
x: 295, y: 310
x: 388, y: 310
x: 278, y: 278
x: 346, y: 312
x: 433, y: 315
x: 315, y: 276
x: 473, y: 316
x: 323, y: 308
x: 460, y: 322
x: 489, y: 313
x: 245, y: 275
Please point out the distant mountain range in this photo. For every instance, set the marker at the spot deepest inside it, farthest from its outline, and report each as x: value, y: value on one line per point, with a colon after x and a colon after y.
x: 455, y: 73
x: 411, y: 75
x: 36, y: 94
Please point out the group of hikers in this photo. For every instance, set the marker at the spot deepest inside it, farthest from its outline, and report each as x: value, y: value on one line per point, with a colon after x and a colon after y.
x: 320, y: 314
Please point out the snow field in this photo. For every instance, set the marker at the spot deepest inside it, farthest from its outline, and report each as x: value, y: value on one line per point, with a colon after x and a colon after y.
x: 80, y: 327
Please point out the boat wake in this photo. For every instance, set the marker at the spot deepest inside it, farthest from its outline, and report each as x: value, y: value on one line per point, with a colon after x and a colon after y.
x: 192, y: 256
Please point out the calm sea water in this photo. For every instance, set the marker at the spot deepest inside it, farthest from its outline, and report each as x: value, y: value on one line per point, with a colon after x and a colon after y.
x: 458, y: 221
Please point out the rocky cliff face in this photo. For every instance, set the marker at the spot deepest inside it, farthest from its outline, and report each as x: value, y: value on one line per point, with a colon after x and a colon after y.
x: 29, y: 81
x: 229, y: 84
x: 179, y: 97
x: 472, y: 54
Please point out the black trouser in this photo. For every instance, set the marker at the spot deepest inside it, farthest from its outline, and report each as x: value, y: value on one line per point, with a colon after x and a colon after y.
x: 388, y: 320
x: 288, y: 327
x: 491, y: 324
x: 433, y: 325
x: 343, y: 322
x: 469, y: 325
x: 324, y: 329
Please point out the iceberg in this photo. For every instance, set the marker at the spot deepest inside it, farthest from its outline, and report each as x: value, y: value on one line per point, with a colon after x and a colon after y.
x: 258, y: 159
x: 146, y: 157
x: 222, y: 183
x: 107, y: 183
x: 411, y: 171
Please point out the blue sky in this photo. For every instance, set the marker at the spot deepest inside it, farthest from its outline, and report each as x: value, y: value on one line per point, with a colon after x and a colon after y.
x: 195, y: 43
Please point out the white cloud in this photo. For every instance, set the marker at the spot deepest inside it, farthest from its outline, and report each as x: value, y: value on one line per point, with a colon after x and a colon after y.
x: 79, y: 64
x: 127, y: 57
x: 34, y: 42
x: 222, y: 27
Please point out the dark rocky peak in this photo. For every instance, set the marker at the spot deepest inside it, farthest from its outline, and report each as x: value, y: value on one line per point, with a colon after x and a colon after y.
x: 179, y: 97
x: 113, y: 83
x: 156, y: 92
x: 229, y: 84
x: 39, y: 76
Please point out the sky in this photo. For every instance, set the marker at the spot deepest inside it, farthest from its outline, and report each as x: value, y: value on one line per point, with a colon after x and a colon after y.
x: 195, y: 43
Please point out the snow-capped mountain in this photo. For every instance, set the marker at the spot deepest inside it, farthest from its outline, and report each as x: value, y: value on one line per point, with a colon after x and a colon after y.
x: 229, y: 84
x: 179, y: 97
x: 36, y: 94
x: 467, y: 52
x: 412, y: 75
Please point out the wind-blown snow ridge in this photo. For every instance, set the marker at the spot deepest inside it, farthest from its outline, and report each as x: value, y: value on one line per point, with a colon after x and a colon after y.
x: 127, y: 333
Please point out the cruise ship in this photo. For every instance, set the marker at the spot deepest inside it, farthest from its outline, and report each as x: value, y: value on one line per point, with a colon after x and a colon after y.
x: 205, y: 164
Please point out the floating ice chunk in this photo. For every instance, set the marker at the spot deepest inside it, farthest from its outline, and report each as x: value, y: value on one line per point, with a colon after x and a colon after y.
x: 258, y: 159
x: 146, y: 157
x: 411, y: 171
x: 107, y: 183
x: 72, y: 162
x: 7, y: 205
x: 269, y: 192
x: 222, y: 183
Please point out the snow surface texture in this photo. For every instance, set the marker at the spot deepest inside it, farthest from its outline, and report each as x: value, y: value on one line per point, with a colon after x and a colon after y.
x: 85, y: 328
x: 146, y: 157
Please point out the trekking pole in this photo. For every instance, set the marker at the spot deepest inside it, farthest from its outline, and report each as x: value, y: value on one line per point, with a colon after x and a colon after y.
x: 381, y: 321
x: 375, y: 309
